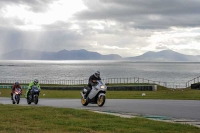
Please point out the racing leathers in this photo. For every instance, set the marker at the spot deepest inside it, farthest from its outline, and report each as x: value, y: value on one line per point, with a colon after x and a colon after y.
x: 91, y: 82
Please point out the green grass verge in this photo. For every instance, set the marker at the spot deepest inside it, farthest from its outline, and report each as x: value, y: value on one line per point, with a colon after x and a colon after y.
x: 185, y: 94
x: 162, y: 93
x: 34, y: 119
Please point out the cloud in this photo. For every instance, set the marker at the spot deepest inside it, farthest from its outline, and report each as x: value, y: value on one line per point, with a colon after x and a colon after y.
x: 37, y: 6
x: 161, y: 47
x: 124, y: 27
x: 177, y: 39
x: 114, y: 47
x: 144, y: 14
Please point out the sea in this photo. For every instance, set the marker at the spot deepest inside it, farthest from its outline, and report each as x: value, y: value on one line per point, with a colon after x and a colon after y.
x: 171, y: 72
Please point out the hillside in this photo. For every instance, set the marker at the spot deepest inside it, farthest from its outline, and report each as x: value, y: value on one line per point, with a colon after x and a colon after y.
x: 165, y: 55
x: 25, y: 54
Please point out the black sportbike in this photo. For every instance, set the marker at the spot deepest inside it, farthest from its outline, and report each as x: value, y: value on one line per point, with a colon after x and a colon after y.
x: 33, y: 95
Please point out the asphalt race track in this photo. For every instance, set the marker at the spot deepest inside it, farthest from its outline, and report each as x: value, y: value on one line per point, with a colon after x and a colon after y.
x: 179, y: 109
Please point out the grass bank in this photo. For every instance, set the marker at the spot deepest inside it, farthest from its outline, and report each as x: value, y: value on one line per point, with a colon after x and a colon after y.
x: 161, y: 93
x: 23, y: 119
x: 185, y: 94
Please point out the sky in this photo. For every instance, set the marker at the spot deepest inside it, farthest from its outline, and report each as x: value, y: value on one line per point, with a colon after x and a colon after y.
x: 124, y: 27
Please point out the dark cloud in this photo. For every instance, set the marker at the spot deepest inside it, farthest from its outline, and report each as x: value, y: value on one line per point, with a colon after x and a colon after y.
x: 58, y: 25
x: 33, y: 5
x: 154, y: 14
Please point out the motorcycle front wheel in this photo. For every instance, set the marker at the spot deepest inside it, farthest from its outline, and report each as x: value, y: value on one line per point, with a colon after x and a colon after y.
x: 17, y: 98
x: 84, y: 102
x: 29, y: 99
x: 36, y: 99
x: 101, y: 100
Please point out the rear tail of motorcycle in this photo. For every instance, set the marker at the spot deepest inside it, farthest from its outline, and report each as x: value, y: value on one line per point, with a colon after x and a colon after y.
x: 83, y: 98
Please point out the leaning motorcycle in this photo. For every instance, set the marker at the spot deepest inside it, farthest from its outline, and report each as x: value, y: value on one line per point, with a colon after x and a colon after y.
x: 16, y: 95
x: 96, y: 96
x: 33, y: 95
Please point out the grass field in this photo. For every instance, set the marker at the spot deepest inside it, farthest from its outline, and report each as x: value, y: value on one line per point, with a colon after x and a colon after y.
x: 34, y: 119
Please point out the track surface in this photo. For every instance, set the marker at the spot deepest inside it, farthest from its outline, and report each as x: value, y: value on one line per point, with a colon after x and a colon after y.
x: 178, y: 109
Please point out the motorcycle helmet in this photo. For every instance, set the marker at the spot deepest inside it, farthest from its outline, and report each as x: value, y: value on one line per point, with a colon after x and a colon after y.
x: 16, y: 83
x: 97, y: 74
x: 36, y: 81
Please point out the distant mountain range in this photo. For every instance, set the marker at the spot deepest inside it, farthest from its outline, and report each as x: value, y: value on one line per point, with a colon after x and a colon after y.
x: 25, y: 54
x: 164, y: 56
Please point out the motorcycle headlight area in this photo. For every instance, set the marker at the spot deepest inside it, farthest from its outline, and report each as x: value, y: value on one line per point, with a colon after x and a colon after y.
x: 102, y: 87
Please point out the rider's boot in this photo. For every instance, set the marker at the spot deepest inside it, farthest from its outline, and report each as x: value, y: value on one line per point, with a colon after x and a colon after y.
x: 85, y: 96
x: 11, y: 96
x: 87, y: 93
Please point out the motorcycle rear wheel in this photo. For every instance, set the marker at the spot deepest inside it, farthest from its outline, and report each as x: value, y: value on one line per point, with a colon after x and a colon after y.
x: 84, y: 102
x: 101, y: 100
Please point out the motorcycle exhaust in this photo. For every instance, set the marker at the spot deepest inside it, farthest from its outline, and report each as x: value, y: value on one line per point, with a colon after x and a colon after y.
x: 82, y: 95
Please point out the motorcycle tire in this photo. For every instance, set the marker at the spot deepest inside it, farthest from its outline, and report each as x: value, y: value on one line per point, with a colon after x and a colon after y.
x: 101, y: 100
x: 36, y: 99
x: 13, y: 101
x: 18, y: 98
x: 84, y: 102
x: 28, y: 102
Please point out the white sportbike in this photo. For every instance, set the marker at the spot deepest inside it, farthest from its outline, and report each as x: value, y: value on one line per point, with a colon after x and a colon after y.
x: 96, y: 96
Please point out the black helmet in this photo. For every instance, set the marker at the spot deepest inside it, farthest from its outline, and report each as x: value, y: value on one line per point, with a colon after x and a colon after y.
x: 97, y: 74
x: 16, y: 83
